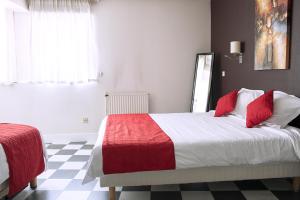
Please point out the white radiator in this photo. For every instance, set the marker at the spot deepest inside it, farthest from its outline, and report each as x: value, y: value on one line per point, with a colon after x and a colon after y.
x: 125, y: 103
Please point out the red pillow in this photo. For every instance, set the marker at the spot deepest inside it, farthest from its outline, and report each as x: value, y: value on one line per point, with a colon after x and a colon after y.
x: 260, y: 109
x: 226, y: 104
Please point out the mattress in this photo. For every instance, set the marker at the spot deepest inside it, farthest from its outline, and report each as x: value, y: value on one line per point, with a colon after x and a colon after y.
x: 201, y: 140
x: 4, y: 171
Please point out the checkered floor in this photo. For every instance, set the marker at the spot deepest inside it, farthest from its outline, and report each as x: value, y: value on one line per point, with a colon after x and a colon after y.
x: 67, y: 166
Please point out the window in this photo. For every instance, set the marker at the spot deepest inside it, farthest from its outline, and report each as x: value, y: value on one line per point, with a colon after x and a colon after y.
x: 62, y: 47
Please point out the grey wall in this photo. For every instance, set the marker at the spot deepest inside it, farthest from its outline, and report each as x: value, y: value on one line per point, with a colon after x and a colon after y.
x: 234, y: 20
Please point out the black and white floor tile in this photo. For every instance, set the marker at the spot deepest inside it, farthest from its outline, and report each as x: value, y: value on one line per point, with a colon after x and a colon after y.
x: 67, y: 167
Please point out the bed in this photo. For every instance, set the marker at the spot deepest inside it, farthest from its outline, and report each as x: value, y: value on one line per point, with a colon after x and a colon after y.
x: 4, y: 174
x: 209, y: 149
x: 20, y: 135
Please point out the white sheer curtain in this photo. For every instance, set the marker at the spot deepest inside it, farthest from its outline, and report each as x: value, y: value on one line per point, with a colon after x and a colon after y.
x: 62, y: 42
x: 7, y: 46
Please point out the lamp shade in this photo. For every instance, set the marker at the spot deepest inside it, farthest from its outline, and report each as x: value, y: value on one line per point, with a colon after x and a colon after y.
x: 235, y: 47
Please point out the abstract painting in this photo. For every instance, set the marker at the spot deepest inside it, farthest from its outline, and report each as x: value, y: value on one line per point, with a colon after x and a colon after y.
x: 272, y: 34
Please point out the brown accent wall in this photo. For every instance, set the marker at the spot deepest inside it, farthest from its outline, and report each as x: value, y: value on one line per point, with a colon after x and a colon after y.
x: 234, y: 20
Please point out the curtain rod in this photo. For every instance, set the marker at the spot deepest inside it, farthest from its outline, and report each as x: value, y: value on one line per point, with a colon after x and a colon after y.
x: 92, y: 1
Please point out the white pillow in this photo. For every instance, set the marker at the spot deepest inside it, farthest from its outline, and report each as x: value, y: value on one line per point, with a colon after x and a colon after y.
x: 245, y: 96
x: 286, y: 108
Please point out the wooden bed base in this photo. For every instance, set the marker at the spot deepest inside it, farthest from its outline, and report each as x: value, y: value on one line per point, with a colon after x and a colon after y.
x: 33, y: 183
x: 296, y: 187
x: 112, y: 193
x: 4, y: 192
x: 296, y: 184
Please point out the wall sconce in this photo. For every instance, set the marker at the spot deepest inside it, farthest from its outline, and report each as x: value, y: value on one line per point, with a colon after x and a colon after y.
x: 236, y: 50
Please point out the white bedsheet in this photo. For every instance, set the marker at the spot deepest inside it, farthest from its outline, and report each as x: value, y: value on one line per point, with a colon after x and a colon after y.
x: 3, y: 166
x: 201, y: 140
x: 4, y: 171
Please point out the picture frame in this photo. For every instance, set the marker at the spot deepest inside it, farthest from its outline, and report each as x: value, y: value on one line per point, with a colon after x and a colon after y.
x: 272, y: 34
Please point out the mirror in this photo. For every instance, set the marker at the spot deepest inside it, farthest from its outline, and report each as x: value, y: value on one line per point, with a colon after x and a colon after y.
x: 202, y: 82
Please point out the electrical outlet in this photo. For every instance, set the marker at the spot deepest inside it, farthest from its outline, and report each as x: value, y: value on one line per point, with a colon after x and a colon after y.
x: 85, y: 120
x: 223, y: 73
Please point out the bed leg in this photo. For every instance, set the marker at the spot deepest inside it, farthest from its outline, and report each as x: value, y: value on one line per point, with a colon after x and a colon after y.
x: 112, y: 193
x: 296, y: 184
x: 33, y: 183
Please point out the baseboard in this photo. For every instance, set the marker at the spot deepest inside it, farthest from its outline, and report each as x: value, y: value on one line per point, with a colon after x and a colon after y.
x: 64, y: 138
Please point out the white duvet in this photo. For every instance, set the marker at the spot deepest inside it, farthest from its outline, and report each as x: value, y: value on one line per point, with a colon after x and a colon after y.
x: 201, y: 140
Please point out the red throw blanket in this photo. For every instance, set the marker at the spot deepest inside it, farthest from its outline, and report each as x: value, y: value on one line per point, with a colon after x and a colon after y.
x: 24, y: 152
x: 134, y: 142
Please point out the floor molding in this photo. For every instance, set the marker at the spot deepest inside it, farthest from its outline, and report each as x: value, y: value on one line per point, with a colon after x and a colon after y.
x: 70, y: 137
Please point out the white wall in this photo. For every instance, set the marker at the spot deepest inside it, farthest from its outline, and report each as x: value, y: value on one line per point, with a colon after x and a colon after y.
x: 143, y: 46
x: 21, y: 3
x: 17, y: 5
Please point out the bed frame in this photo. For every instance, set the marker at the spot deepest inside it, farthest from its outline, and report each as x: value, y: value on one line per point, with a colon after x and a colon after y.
x: 203, y: 174
x: 4, y: 188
